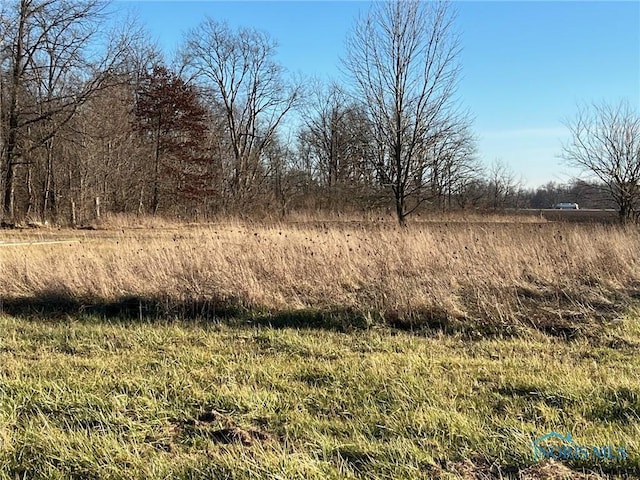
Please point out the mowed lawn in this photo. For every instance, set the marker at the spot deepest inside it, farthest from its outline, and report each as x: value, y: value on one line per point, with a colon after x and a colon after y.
x: 87, y: 397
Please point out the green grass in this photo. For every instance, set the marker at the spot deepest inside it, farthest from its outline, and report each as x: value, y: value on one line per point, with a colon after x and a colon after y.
x: 89, y: 398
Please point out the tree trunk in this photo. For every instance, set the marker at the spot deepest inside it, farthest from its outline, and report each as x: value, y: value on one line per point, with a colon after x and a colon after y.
x: 141, y: 200
x: 9, y: 188
x: 10, y: 152
x: 48, y: 180
x: 73, y: 214
x: 400, y: 211
x: 156, y: 179
x: 29, y: 192
x: 625, y: 212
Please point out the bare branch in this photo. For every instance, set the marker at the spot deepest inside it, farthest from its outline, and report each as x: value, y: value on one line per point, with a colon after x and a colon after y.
x: 402, y: 57
x: 605, y: 144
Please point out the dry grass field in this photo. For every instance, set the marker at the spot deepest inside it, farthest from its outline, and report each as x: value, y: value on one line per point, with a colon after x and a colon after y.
x: 576, y: 216
x: 480, y: 275
x: 318, y: 348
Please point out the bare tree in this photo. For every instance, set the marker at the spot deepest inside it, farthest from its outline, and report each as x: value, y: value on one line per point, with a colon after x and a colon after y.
x: 53, y: 67
x: 403, y: 59
x: 605, y: 144
x: 287, y: 181
x: 336, y: 137
x: 451, y: 163
x: 106, y: 162
x: 323, y: 118
x: 238, y: 69
x: 503, y: 185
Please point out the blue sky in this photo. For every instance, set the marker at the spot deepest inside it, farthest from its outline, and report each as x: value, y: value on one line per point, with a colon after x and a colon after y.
x: 525, y: 65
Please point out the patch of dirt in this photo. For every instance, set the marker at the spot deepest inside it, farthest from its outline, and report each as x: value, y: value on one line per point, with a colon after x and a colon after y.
x: 219, y: 428
x: 472, y: 471
x: 238, y: 435
x: 552, y: 470
x: 481, y: 470
x: 212, y: 416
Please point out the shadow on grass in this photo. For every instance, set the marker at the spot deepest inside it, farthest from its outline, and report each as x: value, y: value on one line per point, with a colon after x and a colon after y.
x: 620, y: 405
x: 53, y: 305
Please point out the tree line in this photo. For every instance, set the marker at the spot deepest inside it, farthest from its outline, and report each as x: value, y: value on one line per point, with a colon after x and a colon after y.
x: 95, y: 121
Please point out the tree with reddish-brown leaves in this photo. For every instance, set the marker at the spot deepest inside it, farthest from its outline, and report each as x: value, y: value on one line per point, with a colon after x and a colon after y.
x: 170, y: 116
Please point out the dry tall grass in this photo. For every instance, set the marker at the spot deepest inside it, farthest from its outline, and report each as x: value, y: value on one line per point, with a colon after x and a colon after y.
x: 501, y: 274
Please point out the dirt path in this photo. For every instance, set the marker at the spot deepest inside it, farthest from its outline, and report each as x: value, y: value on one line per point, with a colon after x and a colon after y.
x: 42, y: 242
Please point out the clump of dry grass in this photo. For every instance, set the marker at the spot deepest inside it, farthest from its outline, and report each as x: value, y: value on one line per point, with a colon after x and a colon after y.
x: 499, y: 274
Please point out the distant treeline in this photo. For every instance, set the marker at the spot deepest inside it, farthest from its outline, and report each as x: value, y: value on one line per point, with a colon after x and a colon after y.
x: 94, y: 122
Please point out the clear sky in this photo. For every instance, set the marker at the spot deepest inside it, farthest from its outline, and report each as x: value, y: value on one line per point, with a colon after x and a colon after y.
x: 525, y: 65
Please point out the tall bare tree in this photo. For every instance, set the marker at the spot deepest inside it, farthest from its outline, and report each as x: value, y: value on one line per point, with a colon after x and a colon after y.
x: 239, y: 70
x: 403, y: 59
x: 605, y: 144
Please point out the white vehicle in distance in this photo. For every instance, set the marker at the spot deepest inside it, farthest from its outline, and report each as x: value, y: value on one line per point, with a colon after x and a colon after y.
x: 567, y: 206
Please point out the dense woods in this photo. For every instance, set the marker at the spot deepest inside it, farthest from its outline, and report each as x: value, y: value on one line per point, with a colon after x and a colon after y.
x: 95, y: 121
